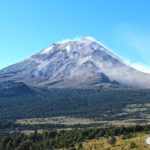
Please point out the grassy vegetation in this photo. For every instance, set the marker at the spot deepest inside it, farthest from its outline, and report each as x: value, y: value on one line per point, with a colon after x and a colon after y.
x: 56, y: 120
x: 136, y: 142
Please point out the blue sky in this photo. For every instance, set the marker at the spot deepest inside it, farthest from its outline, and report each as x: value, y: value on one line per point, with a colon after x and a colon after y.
x: 28, y: 26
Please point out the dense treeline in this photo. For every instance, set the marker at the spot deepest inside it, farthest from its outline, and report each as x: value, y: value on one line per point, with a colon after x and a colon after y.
x: 102, y: 104
x: 64, y: 138
x: 92, y: 103
x: 12, y: 89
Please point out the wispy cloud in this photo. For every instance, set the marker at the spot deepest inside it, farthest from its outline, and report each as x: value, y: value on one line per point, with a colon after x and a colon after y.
x: 138, y: 66
x: 136, y: 38
x: 138, y: 41
x: 141, y: 67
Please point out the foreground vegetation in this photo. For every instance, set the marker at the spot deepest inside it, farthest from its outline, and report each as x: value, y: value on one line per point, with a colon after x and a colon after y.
x: 94, y: 138
x: 135, y: 141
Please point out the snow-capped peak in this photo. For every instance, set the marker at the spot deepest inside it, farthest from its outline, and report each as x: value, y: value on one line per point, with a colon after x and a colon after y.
x: 77, y: 39
x: 80, y: 63
x: 86, y: 43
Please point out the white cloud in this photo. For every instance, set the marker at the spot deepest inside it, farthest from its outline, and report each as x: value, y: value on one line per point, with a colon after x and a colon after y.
x: 141, y: 67
x: 135, y: 42
x: 140, y: 43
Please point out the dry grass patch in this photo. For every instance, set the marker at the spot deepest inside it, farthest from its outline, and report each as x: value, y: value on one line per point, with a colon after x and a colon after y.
x: 136, y: 143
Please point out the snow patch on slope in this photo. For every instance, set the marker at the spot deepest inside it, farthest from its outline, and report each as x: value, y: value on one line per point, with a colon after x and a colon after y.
x: 83, y: 60
x: 46, y: 51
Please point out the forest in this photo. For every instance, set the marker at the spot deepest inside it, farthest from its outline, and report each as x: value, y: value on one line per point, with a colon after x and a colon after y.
x: 97, y: 104
x: 66, y: 139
